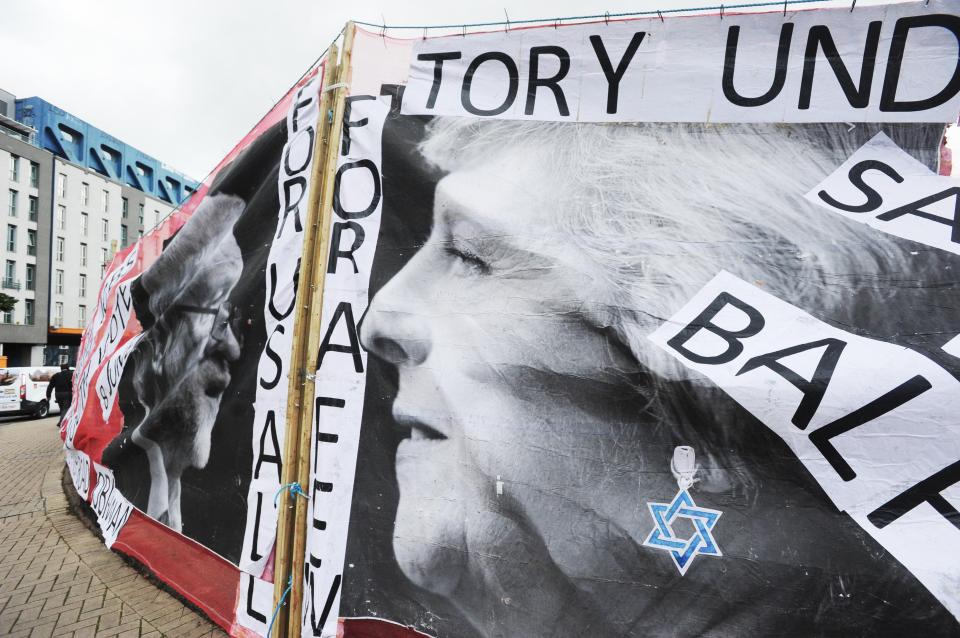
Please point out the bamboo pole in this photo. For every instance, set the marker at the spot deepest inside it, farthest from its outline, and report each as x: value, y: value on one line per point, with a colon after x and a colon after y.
x: 324, y: 203
x: 300, y: 389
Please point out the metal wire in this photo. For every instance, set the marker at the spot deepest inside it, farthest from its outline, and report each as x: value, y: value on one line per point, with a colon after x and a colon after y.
x: 605, y: 16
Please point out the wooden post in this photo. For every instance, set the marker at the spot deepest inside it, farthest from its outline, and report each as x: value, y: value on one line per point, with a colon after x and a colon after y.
x: 300, y: 388
x: 323, y: 202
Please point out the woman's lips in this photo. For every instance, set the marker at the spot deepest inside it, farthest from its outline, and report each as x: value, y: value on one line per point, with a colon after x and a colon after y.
x: 419, y: 430
x: 422, y: 431
x: 421, y: 441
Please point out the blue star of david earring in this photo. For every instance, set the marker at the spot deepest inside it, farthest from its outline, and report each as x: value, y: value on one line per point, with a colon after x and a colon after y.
x: 662, y: 537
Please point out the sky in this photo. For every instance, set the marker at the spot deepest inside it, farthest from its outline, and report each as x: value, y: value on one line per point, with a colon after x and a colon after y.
x: 183, y: 81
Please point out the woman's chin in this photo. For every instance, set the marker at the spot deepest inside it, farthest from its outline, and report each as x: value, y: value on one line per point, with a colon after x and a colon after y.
x: 428, y: 535
x: 436, y: 568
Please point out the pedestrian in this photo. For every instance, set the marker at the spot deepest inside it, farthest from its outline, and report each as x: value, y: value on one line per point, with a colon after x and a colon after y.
x: 62, y: 384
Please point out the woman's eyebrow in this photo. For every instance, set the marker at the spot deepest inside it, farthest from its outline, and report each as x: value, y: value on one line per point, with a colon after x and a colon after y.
x: 457, y: 220
x: 489, y: 238
x: 450, y: 213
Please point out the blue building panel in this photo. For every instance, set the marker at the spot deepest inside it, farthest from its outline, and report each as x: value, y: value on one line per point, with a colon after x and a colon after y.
x: 69, y: 137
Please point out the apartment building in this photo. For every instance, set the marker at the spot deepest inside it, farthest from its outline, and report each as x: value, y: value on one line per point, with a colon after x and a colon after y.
x: 72, y: 196
x: 25, y: 193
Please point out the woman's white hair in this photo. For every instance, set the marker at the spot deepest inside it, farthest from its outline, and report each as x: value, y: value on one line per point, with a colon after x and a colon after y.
x: 659, y: 209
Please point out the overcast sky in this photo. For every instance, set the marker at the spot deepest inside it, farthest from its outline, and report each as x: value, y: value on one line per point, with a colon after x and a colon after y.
x: 184, y: 80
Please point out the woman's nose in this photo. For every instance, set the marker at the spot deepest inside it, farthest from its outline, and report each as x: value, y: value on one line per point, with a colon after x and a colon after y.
x: 392, y: 328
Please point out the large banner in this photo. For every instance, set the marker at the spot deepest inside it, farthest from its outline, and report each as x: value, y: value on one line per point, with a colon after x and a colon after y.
x: 176, y: 433
x: 628, y: 328
x: 643, y: 328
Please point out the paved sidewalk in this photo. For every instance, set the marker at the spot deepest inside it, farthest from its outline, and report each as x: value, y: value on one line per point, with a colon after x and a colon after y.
x: 56, y: 577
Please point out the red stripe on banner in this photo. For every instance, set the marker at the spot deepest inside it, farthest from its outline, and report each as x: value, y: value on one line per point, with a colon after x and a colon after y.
x: 205, y: 579
x: 375, y: 628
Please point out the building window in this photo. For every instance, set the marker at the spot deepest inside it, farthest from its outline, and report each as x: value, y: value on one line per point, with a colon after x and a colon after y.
x: 58, y: 314
x: 104, y: 230
x: 156, y: 218
x: 62, y: 217
x: 123, y: 235
x: 13, y: 203
x: 141, y: 214
x: 14, y: 168
x: 28, y: 317
x: 82, y: 315
x: 83, y: 254
x: 59, y: 248
x: 34, y: 208
x: 85, y: 193
x: 106, y: 201
x: 10, y: 275
x: 103, y: 270
x: 31, y: 277
x: 84, y: 224
x: 103, y: 255
x: 11, y: 237
x: 34, y: 175
x: 31, y: 242
x: 83, y: 285
x: 125, y: 203
x: 8, y: 317
x: 58, y: 282
x: 62, y: 184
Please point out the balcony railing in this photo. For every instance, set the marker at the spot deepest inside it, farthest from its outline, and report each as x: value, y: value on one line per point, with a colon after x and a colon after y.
x: 11, y: 284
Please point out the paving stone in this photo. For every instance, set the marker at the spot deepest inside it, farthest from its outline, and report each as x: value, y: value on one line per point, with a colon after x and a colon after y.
x: 56, y: 577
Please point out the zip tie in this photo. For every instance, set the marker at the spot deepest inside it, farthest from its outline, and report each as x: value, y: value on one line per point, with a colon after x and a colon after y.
x: 283, y: 601
x: 333, y: 87
x: 294, y: 489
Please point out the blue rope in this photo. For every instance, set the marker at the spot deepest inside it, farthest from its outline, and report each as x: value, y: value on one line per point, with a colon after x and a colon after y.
x: 283, y: 600
x: 294, y: 489
x: 605, y: 16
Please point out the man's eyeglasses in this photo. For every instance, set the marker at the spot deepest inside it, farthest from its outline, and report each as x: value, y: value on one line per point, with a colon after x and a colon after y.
x: 227, y: 316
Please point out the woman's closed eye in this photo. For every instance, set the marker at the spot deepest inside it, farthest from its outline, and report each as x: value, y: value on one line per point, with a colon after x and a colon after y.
x: 468, y: 258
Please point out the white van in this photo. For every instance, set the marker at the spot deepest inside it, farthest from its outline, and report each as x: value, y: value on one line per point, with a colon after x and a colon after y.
x: 24, y: 391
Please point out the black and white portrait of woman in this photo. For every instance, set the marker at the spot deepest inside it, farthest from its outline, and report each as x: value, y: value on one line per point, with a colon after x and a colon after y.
x: 518, y: 420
